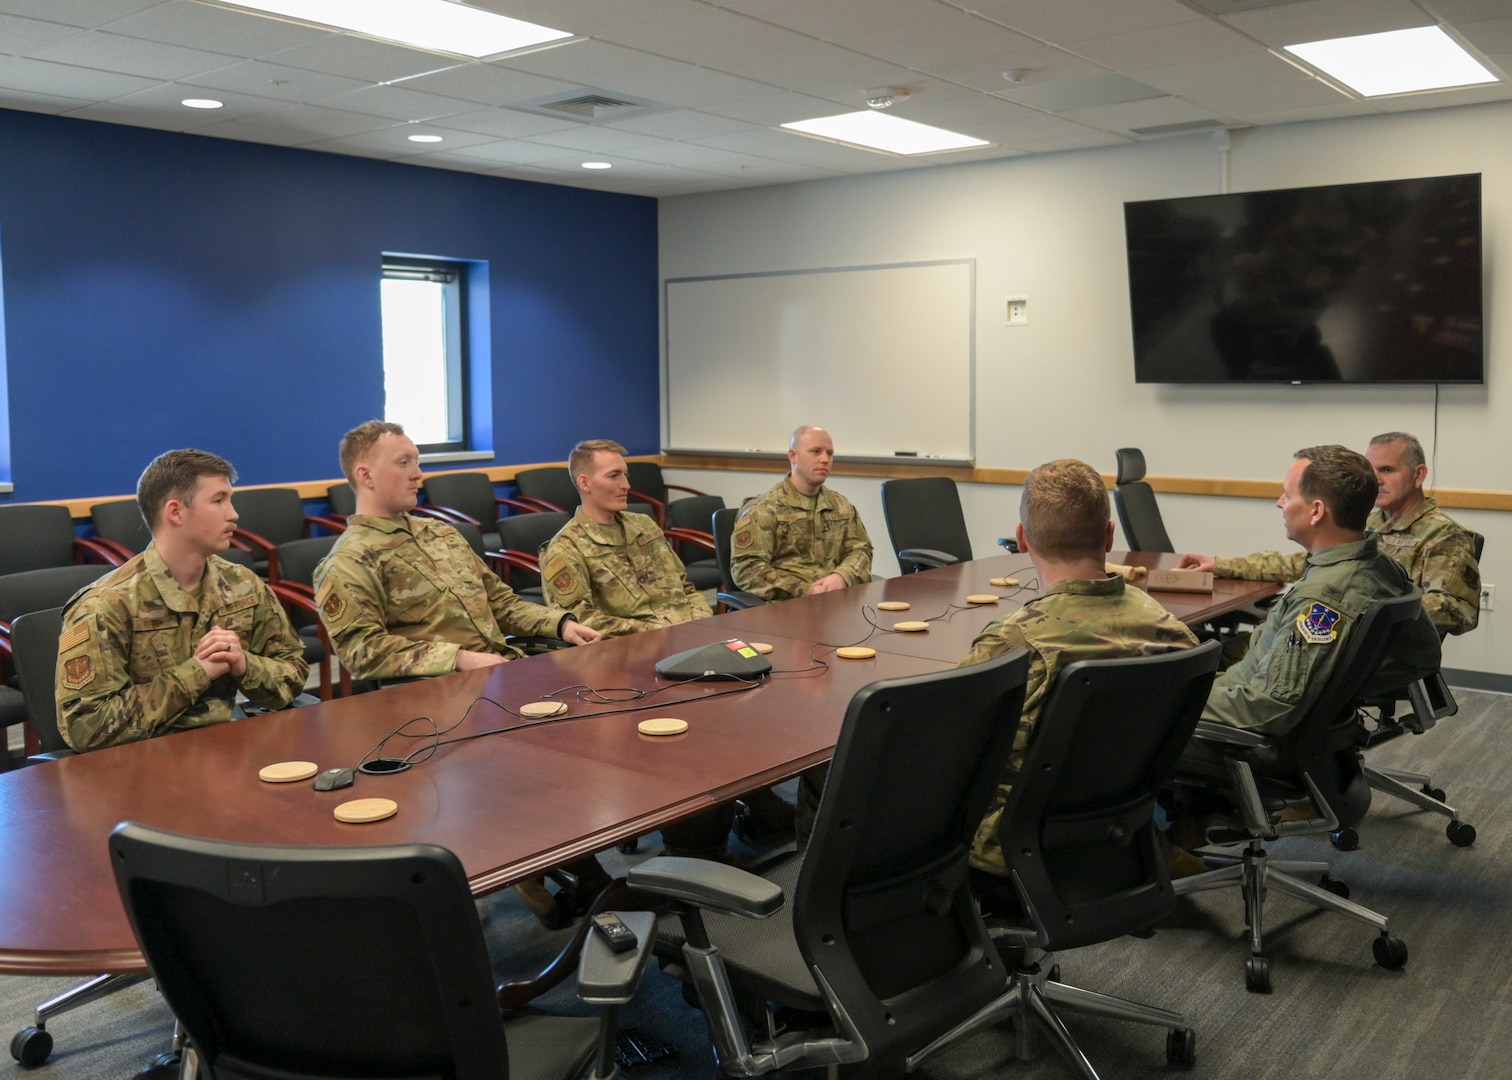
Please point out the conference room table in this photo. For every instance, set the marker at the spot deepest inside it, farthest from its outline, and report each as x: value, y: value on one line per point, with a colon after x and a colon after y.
x: 516, y: 796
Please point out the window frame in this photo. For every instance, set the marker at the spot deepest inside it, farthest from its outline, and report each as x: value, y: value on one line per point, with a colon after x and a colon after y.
x: 453, y: 274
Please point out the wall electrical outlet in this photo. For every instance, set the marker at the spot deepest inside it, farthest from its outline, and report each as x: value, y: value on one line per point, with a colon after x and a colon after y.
x: 1488, y: 597
x: 1018, y: 311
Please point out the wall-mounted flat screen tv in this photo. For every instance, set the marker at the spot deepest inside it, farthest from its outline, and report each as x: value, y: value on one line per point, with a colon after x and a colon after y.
x: 1366, y: 283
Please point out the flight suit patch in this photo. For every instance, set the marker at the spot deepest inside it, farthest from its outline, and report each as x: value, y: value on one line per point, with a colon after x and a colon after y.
x: 1319, y: 624
x: 78, y: 672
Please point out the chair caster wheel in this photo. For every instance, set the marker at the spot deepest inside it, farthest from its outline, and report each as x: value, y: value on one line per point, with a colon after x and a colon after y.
x: 161, y: 1067
x: 1345, y: 839
x: 1460, y: 833
x: 1257, y: 975
x: 1335, y: 886
x: 1435, y: 793
x: 31, y: 1046
x: 1390, y: 951
x: 1181, y: 1047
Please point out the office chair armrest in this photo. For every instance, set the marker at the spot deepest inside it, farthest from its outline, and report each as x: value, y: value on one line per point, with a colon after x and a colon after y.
x: 260, y: 546
x: 656, y: 505
x: 928, y: 558
x: 687, y: 490
x: 531, y: 503
x: 446, y: 514
x: 691, y: 536
x: 710, y: 885
x: 521, y: 505
x: 1229, y: 736
x: 606, y: 977
x: 329, y: 524
x: 99, y: 549
x: 739, y: 601
x: 1009, y: 544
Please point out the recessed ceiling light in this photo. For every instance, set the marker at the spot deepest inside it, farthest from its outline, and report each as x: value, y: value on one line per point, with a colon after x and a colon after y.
x: 597, y: 165
x: 1396, y: 62
x: 425, y: 138
x: 880, y: 131
x: 202, y: 103
x: 437, y: 25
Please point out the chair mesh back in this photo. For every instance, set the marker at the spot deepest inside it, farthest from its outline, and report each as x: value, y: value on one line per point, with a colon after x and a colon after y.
x: 551, y: 484
x: 33, y: 537
x: 882, y: 905
x: 925, y: 512
x: 275, y: 514
x: 122, y: 522
x: 311, y: 962
x: 470, y: 492
x: 34, y: 638
x: 1078, y: 828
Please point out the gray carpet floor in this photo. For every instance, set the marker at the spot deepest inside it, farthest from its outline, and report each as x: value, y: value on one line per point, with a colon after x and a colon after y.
x: 1333, y: 1012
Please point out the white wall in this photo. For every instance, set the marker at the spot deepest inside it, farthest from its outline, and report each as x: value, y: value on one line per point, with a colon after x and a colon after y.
x: 1051, y: 227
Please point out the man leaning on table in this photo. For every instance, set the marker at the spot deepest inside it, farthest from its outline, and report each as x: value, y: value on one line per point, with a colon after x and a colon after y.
x: 800, y: 537
x: 164, y: 642
x: 1438, y: 554
x: 404, y: 596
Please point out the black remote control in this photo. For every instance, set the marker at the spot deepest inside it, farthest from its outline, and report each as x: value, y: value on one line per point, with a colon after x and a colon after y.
x: 619, y: 936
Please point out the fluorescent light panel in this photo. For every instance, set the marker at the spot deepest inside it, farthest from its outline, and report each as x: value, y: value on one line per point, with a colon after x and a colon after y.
x: 435, y: 25
x: 878, y: 131
x: 1396, y: 62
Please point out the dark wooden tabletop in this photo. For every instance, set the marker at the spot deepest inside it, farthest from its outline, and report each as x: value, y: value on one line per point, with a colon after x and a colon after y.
x: 520, y: 797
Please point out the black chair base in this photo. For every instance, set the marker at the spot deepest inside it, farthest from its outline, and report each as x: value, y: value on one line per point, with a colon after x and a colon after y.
x: 32, y: 1045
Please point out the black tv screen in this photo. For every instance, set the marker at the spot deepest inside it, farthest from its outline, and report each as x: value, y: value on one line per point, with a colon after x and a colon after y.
x: 1371, y: 283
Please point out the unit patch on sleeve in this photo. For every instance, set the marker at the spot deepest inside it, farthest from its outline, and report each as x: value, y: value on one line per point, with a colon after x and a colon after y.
x: 1319, y: 624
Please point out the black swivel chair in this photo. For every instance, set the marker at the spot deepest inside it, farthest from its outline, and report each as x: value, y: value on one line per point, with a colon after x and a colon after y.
x: 1138, y: 513
x: 1078, y: 834
x: 1318, y: 759
x: 925, y: 522
x: 881, y: 937
x: 731, y: 597
x: 346, y: 962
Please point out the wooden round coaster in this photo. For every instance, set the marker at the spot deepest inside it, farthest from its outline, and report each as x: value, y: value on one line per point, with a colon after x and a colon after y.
x: 908, y: 627
x: 855, y: 652
x: 534, y: 710
x: 662, y: 725
x: 893, y: 605
x: 286, y: 772
x: 361, y: 811
x: 1003, y: 582
x: 760, y: 646
x: 983, y: 598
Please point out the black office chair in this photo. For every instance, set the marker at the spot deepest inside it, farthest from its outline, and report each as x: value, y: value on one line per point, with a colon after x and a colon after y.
x: 925, y: 522
x: 295, y: 589
x: 731, y: 597
x: 470, y: 495
x: 343, y: 500
x: 27, y: 591
x: 1318, y: 759
x: 689, y: 526
x: 1079, y: 838
x: 1138, y: 513
x: 648, y: 485
x: 33, y: 536
x: 346, y: 962
x: 549, y: 488
x: 273, y: 516
x: 882, y: 938
x: 518, y: 560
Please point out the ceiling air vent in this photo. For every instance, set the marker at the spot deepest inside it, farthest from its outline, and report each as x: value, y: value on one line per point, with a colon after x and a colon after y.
x: 587, y: 103
x: 1188, y: 127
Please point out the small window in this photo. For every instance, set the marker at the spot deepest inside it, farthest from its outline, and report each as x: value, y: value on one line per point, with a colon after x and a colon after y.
x: 425, y: 375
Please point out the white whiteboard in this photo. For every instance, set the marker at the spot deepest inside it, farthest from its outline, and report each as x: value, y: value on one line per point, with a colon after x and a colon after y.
x: 881, y: 356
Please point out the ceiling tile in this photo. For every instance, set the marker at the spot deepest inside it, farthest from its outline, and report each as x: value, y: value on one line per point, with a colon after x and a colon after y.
x: 713, y: 37
x: 941, y: 41
x: 253, y: 131
x: 395, y: 103
x: 262, y: 79
x: 1168, y: 45
x: 682, y: 124
x: 19, y: 36
x: 216, y: 29
x: 592, y: 18
x: 1246, y: 103
x: 66, y: 80
x: 1261, y: 68
x: 321, y: 123
x: 167, y: 98
x: 629, y: 71
x: 1071, y: 21
x: 160, y: 119
x: 130, y: 56
x: 837, y: 20
x: 359, y: 58
x: 592, y: 138
x: 485, y: 84
x: 26, y: 101
x: 508, y: 150
x: 771, y: 110
x: 1317, y: 20
x: 1081, y: 93
x: 504, y: 123
x: 85, y: 13
x: 1488, y: 35
x: 1140, y: 114
x: 1039, y: 65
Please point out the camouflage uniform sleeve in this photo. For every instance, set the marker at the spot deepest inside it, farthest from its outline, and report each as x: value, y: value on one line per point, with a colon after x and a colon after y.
x: 752, y: 542
x: 353, y: 608
x: 276, y: 667
x: 1262, y: 566
x: 568, y: 584
x: 856, y: 553
x: 698, y: 606
x: 98, y: 704
x: 1265, y: 690
x: 517, y: 616
x: 1451, y: 583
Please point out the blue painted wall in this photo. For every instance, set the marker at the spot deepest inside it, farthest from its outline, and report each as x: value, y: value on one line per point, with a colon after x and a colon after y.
x: 168, y: 290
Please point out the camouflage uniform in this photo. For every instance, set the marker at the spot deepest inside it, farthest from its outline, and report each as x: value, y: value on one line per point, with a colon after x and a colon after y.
x: 401, y: 596
x: 126, y: 666
x: 618, y: 578
x: 785, y: 541
x: 1435, y: 551
x: 1101, y: 619
x: 1294, y: 653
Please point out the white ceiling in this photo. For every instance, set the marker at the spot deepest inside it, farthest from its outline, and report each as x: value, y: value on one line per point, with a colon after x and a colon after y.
x: 715, y: 78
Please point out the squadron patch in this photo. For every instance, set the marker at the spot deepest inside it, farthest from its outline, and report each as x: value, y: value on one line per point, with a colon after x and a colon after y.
x: 332, y: 606
x: 77, y: 672
x: 562, y: 582
x: 743, y: 537
x: 1319, y: 624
